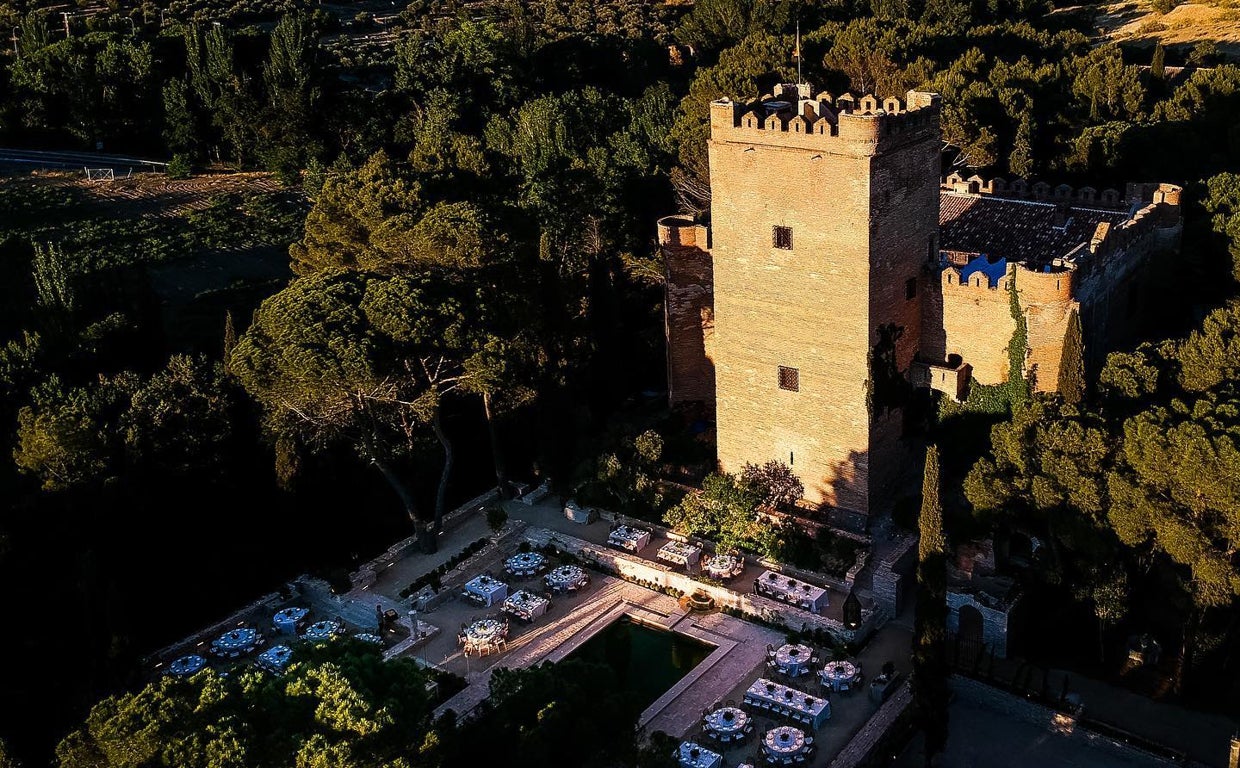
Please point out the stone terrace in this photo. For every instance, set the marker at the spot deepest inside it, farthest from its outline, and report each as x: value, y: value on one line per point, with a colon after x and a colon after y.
x: 738, y: 659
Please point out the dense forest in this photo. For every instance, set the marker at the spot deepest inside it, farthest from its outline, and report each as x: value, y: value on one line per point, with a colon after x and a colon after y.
x: 467, y: 200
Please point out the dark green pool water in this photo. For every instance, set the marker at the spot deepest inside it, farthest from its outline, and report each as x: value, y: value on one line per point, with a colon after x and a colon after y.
x: 647, y: 661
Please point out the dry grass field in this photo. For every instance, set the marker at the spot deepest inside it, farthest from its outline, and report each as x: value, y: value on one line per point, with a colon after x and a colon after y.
x: 1135, y: 21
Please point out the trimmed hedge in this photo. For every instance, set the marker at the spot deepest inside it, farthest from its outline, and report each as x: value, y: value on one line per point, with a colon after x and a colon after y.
x: 433, y: 578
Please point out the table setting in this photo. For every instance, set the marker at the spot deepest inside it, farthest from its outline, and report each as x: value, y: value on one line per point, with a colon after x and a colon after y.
x: 186, y: 665
x: 526, y: 605
x: 235, y: 642
x: 693, y: 755
x: 839, y: 675
x: 566, y: 577
x: 793, y: 658
x: 724, y: 566
x: 784, y: 741
x: 276, y: 658
x: 489, y: 591
x: 525, y: 564
x: 288, y: 620
x: 322, y: 630
x: 727, y: 723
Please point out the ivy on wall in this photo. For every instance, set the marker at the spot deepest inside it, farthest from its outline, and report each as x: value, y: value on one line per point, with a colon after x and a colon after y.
x: 1001, y: 399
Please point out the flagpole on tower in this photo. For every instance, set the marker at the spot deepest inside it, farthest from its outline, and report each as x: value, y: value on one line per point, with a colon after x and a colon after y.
x: 797, y: 52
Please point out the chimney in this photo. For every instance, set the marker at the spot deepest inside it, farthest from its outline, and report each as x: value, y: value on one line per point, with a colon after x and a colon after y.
x: 1063, y: 216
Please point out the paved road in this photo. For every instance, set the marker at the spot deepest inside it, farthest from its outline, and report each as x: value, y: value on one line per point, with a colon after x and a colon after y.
x: 33, y: 158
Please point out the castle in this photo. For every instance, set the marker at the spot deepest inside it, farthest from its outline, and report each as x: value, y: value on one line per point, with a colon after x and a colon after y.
x: 839, y: 271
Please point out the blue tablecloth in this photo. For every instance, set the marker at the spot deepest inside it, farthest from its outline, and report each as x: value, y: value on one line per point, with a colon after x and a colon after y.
x: 186, y: 665
x: 691, y: 755
x: 490, y: 590
x: 727, y: 720
x: 277, y: 657
x: 236, y: 641
x: 784, y: 741
x: 322, y: 630
x: 286, y: 620
x: 566, y: 576
x: 793, y: 658
x: 772, y: 696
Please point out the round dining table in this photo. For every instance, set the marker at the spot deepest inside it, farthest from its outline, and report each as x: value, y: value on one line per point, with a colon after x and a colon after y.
x: 287, y: 619
x: 524, y: 563
x: 187, y: 665
x: 727, y: 721
x: 837, y: 673
x: 784, y: 741
x: 793, y: 657
x: 322, y: 630
x: 484, y: 631
x: 240, y: 640
x: 566, y: 576
x: 723, y: 566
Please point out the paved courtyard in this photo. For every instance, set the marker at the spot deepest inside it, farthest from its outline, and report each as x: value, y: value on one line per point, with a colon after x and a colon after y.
x: 980, y: 738
x: 739, y: 657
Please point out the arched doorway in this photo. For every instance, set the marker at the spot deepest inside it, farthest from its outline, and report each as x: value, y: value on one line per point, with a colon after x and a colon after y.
x: 970, y: 627
x: 969, y: 645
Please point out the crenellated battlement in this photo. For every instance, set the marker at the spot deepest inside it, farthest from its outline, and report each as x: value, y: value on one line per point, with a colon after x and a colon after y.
x: 791, y: 116
x: 679, y: 231
x: 1158, y: 219
x: 1053, y: 283
x: 1041, y: 191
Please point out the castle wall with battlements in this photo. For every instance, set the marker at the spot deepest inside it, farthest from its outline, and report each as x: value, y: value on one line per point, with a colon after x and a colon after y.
x: 1102, y: 280
x: 857, y: 187
x: 855, y: 273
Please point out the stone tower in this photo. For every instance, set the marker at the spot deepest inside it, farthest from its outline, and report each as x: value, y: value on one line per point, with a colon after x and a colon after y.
x: 824, y: 216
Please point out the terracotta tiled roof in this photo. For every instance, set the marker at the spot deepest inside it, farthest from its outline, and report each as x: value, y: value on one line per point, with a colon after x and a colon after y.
x: 1017, y: 230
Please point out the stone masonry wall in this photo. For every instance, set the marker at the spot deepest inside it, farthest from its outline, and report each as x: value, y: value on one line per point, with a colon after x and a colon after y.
x: 904, y: 225
x: 994, y: 622
x: 892, y: 576
x: 977, y: 325
x: 639, y: 569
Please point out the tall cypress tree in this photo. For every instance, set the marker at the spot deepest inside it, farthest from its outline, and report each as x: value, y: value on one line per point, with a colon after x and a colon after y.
x: 1020, y: 162
x: 1158, y: 65
x: 1072, y: 384
x: 230, y: 338
x: 930, y: 668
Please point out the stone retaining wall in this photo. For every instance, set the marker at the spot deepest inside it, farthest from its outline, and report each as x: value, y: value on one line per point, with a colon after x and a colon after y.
x: 368, y: 572
x: 865, y: 743
x: 661, y: 576
x: 889, y: 576
x: 843, y: 586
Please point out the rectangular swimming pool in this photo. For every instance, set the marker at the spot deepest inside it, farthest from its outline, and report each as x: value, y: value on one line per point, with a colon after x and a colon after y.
x: 647, y: 661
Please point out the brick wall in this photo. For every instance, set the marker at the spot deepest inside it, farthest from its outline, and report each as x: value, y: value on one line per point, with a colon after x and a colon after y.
x: 863, y: 208
x: 978, y: 325
x: 688, y: 311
